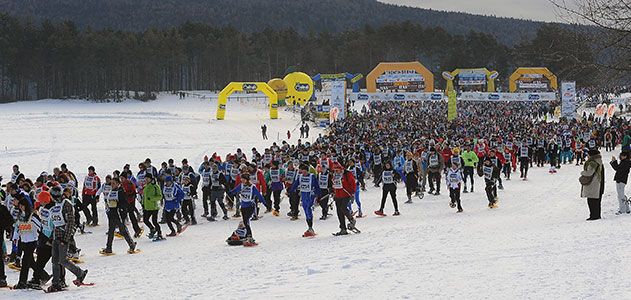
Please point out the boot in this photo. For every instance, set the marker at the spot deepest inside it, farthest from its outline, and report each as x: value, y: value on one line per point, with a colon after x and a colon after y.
x: 380, y: 213
x: 342, y: 232
x: 396, y: 213
x: 80, y: 278
x: 151, y: 234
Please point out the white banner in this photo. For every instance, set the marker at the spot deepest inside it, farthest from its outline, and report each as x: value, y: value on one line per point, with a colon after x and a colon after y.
x: 568, y: 99
x: 465, y: 96
x: 397, y: 96
x: 480, y: 96
x: 338, y: 100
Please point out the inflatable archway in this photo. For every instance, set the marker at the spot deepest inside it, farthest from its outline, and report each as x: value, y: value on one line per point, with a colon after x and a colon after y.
x: 299, y: 88
x: 280, y: 87
x: 395, y: 76
x: 353, y: 78
x: 530, y: 74
x: 247, y: 87
x: 473, y: 76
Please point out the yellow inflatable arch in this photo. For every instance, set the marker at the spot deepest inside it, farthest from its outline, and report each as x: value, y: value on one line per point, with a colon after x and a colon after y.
x: 371, y: 78
x: 247, y: 87
x: 490, y: 78
x: 512, y: 82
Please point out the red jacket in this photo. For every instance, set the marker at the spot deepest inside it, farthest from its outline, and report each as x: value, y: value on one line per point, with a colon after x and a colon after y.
x: 130, y: 190
x: 348, y: 186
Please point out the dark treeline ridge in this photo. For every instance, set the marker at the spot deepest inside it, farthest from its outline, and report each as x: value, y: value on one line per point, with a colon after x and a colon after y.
x: 303, y: 16
x: 41, y: 60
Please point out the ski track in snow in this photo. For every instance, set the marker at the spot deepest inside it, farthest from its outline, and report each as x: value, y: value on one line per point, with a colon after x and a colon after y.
x: 536, y: 245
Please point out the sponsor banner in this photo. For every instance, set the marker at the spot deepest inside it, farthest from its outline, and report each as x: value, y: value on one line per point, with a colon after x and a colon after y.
x: 481, y: 96
x: 471, y: 77
x: 333, y: 77
x: 397, y: 96
x: 568, y: 99
x: 400, y: 80
x: 451, y: 106
x: 532, y: 85
x: 338, y: 99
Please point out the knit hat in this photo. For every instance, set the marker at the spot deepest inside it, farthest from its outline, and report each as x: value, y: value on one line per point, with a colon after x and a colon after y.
x: 44, y: 197
x: 168, y: 179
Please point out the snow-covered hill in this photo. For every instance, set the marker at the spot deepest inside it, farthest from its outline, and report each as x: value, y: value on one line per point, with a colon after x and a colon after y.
x: 537, y: 245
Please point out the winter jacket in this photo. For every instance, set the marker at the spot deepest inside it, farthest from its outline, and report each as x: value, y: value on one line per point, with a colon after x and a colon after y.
x: 152, y: 195
x: 470, y: 158
x: 622, y: 170
x: 6, y: 220
x: 348, y: 186
x: 593, y: 166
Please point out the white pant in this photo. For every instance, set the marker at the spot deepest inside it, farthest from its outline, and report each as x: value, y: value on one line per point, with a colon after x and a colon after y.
x: 622, y: 199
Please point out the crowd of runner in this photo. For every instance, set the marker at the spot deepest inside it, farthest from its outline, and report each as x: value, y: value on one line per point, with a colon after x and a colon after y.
x: 386, y: 145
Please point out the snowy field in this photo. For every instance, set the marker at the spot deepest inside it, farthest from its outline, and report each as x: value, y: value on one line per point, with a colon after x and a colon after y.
x: 537, y: 245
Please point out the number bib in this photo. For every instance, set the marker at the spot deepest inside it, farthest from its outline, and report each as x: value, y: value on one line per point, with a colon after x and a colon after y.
x: 453, y: 177
x: 89, y: 182
x: 409, y: 167
x: 169, y: 193
x: 215, y: 177
x: 488, y: 172
x: 323, y: 181
x: 507, y: 156
x: 433, y: 160
x: 524, y: 151
x: 112, y: 199
x: 337, y: 181
x: 290, y: 176
x: 387, y: 177
x: 274, y: 175
x: 205, y: 178
x: 305, y: 184
x: 246, y: 193
x: 377, y: 159
x: 56, y: 215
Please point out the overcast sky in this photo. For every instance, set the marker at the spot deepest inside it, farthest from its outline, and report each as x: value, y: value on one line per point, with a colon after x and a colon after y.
x: 540, y: 10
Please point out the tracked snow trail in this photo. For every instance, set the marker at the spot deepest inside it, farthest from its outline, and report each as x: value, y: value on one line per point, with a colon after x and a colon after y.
x: 537, y: 245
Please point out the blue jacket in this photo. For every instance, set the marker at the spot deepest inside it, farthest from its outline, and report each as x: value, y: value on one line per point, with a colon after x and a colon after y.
x: 173, y: 196
x: 247, y: 195
x: 313, y: 190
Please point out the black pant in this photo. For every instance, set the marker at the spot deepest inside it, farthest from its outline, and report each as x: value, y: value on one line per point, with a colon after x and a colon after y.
x: 410, y: 183
x: 454, y: 195
x: 206, y: 199
x: 188, y: 211
x: 594, y: 207
x: 341, y: 205
x: 246, y: 214
x: 132, y: 217
x: 89, y: 200
x: 491, y: 191
x: 153, y: 225
x: 114, y: 221
x: 78, y: 208
x: 376, y: 173
x: 216, y: 198
x: 294, y: 201
x: 3, y: 276
x: 170, y: 218
x: 27, y: 259
x: 44, y: 252
x: 391, y: 189
x: 276, y: 195
x: 468, y: 172
x: 523, y: 166
x: 324, y: 201
x: 434, y: 176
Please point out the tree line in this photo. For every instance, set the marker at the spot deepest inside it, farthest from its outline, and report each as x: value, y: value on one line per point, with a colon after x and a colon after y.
x: 60, y: 60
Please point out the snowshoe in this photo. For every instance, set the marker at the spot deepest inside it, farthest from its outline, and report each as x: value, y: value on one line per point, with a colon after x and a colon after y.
x: 452, y: 205
x: 293, y: 218
x: 20, y: 286
x: 459, y: 210
x: 396, y: 213
x: 225, y: 217
x: 204, y: 215
x: 249, y: 242
x: 80, y: 278
x: 465, y: 190
x: 172, y: 234
x: 151, y: 234
x: 211, y: 219
x: 54, y: 288
x: 323, y: 218
x: 275, y: 213
x: 309, y: 233
x: 379, y: 213
x: 135, y: 251
x: 106, y: 252
x: 158, y: 238
x: 340, y: 233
